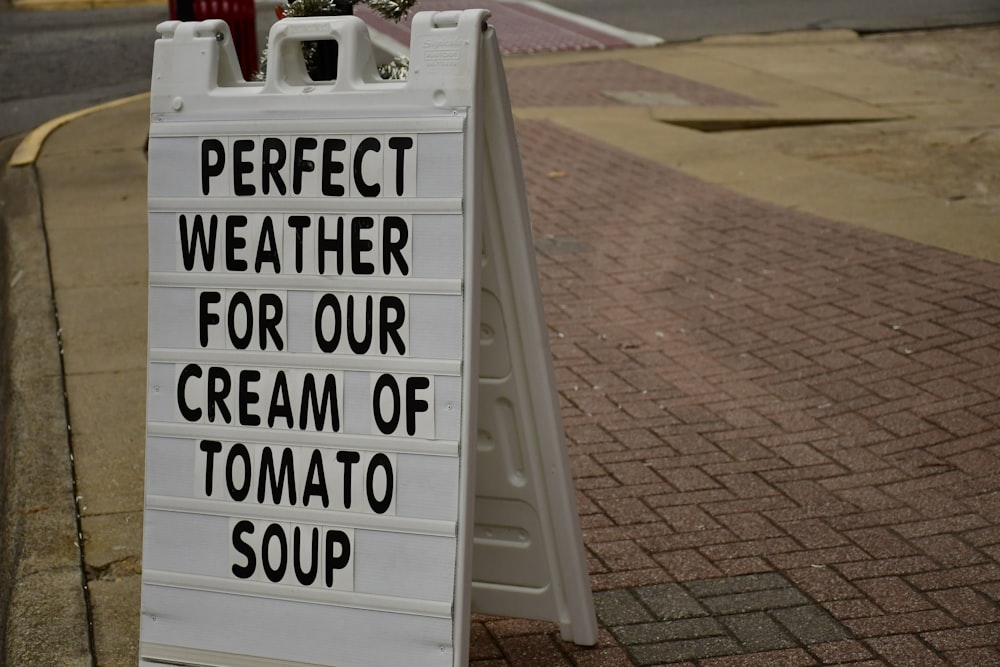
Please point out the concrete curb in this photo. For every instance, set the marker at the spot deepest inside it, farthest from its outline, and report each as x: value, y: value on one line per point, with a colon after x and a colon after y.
x: 43, y: 594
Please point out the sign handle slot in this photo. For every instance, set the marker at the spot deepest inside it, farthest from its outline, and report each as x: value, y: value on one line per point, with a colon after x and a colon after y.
x: 356, y: 66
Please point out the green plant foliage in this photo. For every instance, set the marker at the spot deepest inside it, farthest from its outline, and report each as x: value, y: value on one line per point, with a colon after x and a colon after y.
x: 394, y: 10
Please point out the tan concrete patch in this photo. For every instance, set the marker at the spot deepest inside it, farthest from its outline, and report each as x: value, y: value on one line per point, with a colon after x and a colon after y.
x: 840, y: 73
x: 113, y: 545
x: 115, y: 607
x: 90, y: 257
x: 84, y: 190
x: 703, y: 65
x: 103, y: 328
x: 950, y: 161
x: 941, y: 81
x: 106, y: 413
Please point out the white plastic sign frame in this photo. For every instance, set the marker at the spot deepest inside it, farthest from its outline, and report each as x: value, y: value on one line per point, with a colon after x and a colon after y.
x: 313, y: 335
x: 324, y: 367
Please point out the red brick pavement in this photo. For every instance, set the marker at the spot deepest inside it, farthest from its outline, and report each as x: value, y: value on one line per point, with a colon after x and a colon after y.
x: 750, y: 389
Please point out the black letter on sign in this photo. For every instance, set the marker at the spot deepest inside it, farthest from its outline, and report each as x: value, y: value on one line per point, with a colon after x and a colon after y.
x: 280, y: 403
x: 211, y: 448
x: 246, y: 397
x: 189, y: 413
x: 275, y: 574
x: 219, y: 385
x: 319, y: 405
x: 306, y: 577
x: 331, y: 166
x: 301, y: 164
x: 366, y: 190
x: 269, y: 317
x: 414, y: 404
x: 327, y: 344
x: 400, y: 144
x: 380, y: 460
x: 392, y: 249
x: 277, y: 479
x: 271, y: 170
x: 317, y: 487
x: 325, y: 245
x: 298, y: 223
x: 386, y: 426
x: 333, y: 538
x: 211, y: 168
x: 269, y: 253
x: 198, y: 239
x: 241, y: 301
x: 360, y: 245
x: 238, y: 494
x: 391, y: 324
x: 348, y: 459
x: 359, y: 346
x: 234, y: 242
x: 244, y: 571
x: 241, y: 167
x: 206, y: 318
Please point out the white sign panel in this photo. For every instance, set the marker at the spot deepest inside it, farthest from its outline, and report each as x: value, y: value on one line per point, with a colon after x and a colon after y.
x: 307, y: 416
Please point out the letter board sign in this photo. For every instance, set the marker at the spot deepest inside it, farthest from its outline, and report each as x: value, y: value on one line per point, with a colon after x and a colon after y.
x: 313, y: 386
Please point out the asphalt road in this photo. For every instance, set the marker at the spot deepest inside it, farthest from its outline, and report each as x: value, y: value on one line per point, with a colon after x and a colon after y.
x: 55, y: 62
x: 681, y: 20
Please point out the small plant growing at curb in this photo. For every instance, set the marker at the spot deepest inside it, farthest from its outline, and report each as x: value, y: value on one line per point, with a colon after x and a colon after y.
x: 321, y: 57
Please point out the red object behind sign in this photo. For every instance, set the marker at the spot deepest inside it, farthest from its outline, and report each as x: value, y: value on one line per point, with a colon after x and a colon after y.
x: 239, y: 14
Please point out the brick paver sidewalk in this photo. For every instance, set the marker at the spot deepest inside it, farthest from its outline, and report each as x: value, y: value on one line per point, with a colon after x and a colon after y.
x: 784, y: 430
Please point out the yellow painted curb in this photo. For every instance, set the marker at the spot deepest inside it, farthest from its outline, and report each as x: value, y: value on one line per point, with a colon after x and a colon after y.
x: 27, y: 151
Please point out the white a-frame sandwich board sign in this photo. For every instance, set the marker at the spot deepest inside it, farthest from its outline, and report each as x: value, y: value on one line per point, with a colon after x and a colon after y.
x: 344, y: 316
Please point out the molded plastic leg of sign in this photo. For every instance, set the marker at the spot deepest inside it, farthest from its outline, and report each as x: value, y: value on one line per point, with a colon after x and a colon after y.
x: 529, y: 389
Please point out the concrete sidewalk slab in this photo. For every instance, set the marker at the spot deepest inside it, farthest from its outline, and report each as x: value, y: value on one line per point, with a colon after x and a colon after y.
x: 108, y: 459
